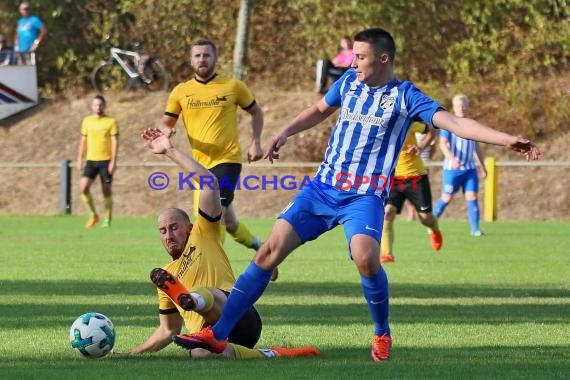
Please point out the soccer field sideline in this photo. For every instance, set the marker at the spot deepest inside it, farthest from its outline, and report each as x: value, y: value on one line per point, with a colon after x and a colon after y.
x: 491, y: 307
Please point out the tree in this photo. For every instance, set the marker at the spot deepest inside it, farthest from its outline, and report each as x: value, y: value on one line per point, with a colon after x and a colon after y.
x: 240, y: 48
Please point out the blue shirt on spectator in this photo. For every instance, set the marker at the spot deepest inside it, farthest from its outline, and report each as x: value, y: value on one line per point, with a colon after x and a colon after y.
x: 28, y: 31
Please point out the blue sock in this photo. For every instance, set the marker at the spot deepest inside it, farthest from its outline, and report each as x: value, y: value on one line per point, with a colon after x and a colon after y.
x: 247, y: 289
x: 439, y: 208
x: 473, y: 214
x: 375, y: 291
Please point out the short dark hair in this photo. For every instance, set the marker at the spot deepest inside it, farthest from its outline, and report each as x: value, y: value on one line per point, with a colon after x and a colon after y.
x: 204, y: 42
x: 382, y: 41
x: 101, y: 98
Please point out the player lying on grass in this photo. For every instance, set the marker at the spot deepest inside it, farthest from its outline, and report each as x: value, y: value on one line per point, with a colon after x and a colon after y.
x: 199, y: 264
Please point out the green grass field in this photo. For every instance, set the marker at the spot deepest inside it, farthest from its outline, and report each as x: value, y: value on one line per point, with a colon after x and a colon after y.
x: 490, y: 307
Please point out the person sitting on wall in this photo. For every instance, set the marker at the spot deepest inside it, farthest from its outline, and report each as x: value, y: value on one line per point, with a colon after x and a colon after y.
x: 334, y: 69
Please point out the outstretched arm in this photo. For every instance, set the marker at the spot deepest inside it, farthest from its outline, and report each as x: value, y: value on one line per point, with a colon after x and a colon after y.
x: 170, y: 324
x: 158, y: 143
x: 473, y: 130
x: 305, y: 120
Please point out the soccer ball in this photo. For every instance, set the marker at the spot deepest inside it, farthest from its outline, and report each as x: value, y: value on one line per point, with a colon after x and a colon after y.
x: 92, y: 335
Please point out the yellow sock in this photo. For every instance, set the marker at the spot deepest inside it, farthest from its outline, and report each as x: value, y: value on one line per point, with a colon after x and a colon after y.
x: 245, y: 237
x: 108, y: 201
x: 205, y: 298
x: 88, y: 202
x: 247, y: 353
x: 387, y: 238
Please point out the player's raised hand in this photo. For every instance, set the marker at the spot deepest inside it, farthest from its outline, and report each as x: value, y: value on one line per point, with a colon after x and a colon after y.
x: 272, y: 152
x: 526, y: 147
x: 156, y: 141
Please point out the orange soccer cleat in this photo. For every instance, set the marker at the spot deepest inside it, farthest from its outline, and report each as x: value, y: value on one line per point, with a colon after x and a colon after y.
x: 387, y: 258
x: 436, y: 240
x: 381, y: 346
x: 174, y: 288
x: 92, y: 221
x: 202, y: 339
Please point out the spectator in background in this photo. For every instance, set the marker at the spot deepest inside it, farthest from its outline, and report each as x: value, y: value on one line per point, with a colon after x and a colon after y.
x: 334, y: 69
x: 30, y: 33
x: 99, y: 144
x: 6, y: 52
x: 460, y: 168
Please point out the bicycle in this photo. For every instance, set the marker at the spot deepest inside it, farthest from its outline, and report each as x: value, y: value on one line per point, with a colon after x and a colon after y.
x: 125, y: 69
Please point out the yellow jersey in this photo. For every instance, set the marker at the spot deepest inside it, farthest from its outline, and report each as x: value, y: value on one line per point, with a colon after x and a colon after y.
x: 98, y: 131
x: 410, y: 164
x: 203, y: 263
x: 209, y: 113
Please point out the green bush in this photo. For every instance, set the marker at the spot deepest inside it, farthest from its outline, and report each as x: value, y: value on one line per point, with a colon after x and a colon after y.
x: 510, y: 44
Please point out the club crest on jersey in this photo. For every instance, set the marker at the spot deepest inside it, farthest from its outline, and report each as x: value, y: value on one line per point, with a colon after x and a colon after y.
x: 387, y: 101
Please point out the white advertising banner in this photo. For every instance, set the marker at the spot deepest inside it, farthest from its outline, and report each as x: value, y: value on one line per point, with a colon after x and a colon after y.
x: 18, y: 89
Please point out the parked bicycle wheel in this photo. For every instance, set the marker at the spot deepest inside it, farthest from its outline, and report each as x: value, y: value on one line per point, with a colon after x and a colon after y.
x: 109, y: 77
x: 155, y: 76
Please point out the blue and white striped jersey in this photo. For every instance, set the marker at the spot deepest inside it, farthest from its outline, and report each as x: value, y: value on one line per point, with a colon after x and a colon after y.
x: 369, y: 133
x: 462, y: 149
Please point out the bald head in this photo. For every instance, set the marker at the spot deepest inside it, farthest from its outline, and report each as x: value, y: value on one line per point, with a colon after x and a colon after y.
x: 173, y: 211
x: 174, y: 227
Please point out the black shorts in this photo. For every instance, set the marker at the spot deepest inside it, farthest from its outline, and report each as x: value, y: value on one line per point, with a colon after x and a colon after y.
x: 92, y: 168
x: 228, y: 176
x: 248, y: 329
x: 414, y: 188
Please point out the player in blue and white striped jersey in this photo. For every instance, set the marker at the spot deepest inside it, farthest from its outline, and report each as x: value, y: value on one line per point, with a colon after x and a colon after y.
x: 352, y: 183
x: 462, y: 156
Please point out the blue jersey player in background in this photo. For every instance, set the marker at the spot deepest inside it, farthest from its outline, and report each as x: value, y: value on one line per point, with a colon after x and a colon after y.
x: 460, y: 168
x: 352, y: 183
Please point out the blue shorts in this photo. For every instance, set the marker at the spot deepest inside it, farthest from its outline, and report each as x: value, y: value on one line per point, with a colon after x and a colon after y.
x: 453, y: 180
x: 319, y: 208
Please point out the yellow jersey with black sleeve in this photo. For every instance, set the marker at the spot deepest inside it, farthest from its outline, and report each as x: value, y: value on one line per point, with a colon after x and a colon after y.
x: 209, y: 113
x: 204, y: 263
x: 98, y: 131
x: 410, y: 164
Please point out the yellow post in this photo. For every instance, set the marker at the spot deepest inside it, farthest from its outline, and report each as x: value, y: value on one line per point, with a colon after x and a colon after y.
x: 491, y: 189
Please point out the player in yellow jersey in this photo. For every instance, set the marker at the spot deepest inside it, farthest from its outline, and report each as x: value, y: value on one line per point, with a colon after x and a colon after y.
x: 208, y: 106
x: 199, y: 264
x: 99, y: 145
x: 410, y: 182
